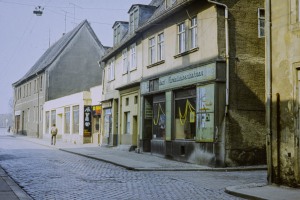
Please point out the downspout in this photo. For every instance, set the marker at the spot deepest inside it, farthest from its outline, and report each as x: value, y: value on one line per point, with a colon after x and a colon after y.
x: 226, y: 51
x: 38, y: 107
x: 227, y: 80
x: 268, y: 81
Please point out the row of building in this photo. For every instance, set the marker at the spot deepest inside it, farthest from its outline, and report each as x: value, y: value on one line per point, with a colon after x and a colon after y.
x: 204, y: 82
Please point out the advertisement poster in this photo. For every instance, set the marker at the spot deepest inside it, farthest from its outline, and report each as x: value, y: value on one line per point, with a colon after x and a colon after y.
x: 87, y: 121
x: 205, y: 113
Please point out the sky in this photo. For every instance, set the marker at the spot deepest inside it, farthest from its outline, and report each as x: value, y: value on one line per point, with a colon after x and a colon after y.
x: 24, y: 36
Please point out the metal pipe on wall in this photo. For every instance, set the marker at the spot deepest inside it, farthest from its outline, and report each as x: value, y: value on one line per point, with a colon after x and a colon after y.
x: 226, y: 51
x: 268, y: 81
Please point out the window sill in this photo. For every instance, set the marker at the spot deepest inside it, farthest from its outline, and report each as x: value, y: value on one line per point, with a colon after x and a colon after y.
x: 186, y: 52
x: 155, y: 64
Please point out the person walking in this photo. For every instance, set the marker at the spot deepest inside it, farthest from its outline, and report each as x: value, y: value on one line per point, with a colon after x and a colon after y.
x: 53, y: 134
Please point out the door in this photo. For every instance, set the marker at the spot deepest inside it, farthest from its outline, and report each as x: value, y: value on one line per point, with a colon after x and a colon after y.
x: 297, y: 136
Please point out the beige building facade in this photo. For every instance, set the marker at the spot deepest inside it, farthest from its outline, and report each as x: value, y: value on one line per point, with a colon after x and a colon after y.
x: 199, y: 83
x: 283, y: 76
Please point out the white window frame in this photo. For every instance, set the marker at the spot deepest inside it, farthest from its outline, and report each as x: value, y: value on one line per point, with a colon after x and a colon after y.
x: 111, y: 70
x: 160, y: 47
x: 152, y: 50
x: 181, y: 28
x: 261, y: 22
x: 132, y: 57
x: 125, y: 61
x: 193, y: 32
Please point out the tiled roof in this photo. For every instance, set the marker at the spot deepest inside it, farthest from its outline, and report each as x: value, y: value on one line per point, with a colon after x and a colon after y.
x: 53, y: 52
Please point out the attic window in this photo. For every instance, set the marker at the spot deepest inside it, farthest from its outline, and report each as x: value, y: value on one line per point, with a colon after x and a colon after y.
x: 133, y: 20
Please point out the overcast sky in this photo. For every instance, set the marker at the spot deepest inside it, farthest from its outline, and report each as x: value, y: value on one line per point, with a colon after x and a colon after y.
x: 24, y: 37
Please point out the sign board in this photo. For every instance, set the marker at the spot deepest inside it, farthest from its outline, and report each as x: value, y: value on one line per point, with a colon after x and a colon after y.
x: 87, y: 130
x: 97, y: 110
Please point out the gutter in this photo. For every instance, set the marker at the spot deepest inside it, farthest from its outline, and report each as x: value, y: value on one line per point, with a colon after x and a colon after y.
x: 226, y: 51
x: 268, y: 81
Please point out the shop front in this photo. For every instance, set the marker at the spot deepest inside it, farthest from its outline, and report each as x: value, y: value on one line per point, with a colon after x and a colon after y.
x: 183, y: 112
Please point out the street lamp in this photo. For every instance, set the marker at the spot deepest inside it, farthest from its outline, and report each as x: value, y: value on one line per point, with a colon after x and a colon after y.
x: 38, y: 11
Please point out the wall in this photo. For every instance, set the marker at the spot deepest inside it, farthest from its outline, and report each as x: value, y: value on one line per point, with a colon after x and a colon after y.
x: 285, y: 94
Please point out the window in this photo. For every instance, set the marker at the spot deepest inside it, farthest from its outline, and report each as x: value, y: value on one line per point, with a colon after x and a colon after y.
x: 117, y: 35
x: 133, y: 19
x: 193, y: 33
x: 181, y: 38
x: 132, y: 59
x: 152, y: 54
x: 127, y: 101
x: 67, y: 120
x: 127, y: 122
x: 159, y: 117
x: 111, y: 70
x: 41, y: 83
x: 53, y: 117
x: 153, y: 85
x: 124, y: 61
x: 47, y: 121
x: 160, y: 47
x: 75, y: 119
x: 261, y: 22
x: 185, y: 116
x: 135, y: 99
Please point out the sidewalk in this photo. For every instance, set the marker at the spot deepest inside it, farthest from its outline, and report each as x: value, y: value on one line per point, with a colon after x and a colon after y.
x: 9, y: 190
x: 147, y: 162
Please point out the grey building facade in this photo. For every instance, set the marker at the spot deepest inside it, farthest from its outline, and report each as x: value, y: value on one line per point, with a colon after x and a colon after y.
x: 69, y: 66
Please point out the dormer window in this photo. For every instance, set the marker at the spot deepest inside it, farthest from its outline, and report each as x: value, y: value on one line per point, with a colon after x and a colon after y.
x: 133, y: 23
x: 116, y: 34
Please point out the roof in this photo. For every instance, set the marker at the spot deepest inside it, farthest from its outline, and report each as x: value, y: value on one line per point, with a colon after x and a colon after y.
x: 159, y: 14
x: 54, y: 51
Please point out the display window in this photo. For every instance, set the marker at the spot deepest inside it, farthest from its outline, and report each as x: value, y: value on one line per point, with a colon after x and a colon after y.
x: 185, y: 114
x: 159, y: 117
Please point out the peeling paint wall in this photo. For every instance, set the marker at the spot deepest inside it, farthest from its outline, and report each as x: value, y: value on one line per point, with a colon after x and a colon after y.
x: 285, y: 64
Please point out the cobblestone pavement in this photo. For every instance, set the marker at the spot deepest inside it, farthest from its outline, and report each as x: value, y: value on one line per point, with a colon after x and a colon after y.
x: 47, y: 173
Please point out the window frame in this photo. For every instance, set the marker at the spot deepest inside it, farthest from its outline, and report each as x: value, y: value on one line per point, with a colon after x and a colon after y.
x: 152, y: 50
x: 160, y: 46
x: 125, y: 61
x: 132, y: 57
x: 261, y: 22
x: 181, y: 37
x: 193, y: 32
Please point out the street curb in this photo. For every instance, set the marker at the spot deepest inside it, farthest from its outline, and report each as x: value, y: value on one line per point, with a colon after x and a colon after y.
x: 92, y: 157
x: 167, y: 169
x: 233, y: 190
x: 17, y: 190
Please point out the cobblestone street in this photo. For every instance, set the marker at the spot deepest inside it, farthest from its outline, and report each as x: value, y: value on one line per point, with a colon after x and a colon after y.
x: 48, y: 173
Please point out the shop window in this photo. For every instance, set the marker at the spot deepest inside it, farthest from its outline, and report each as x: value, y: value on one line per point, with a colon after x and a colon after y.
x: 75, y: 119
x: 67, y: 120
x: 53, y: 117
x: 47, y: 121
x: 185, y: 114
x: 159, y: 117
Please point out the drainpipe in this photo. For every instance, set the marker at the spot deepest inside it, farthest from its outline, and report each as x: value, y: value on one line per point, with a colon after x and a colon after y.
x: 226, y: 51
x: 268, y: 81
x: 227, y: 76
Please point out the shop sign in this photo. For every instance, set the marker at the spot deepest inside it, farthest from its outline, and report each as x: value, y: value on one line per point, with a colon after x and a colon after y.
x: 87, y: 121
x: 106, y: 104
x: 196, y: 75
x: 97, y: 110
